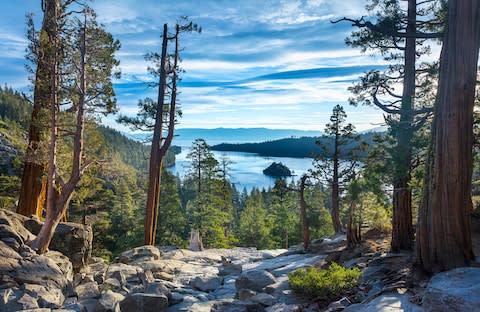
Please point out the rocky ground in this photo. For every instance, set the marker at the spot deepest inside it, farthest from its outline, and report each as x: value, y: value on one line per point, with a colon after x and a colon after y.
x: 239, y: 279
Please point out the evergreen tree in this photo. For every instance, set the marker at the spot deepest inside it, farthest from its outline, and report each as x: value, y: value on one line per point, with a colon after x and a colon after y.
x: 399, y: 34
x: 87, y: 82
x: 283, y: 208
x: 254, y: 228
x: 171, y: 224
x: 335, y: 166
x: 207, y: 211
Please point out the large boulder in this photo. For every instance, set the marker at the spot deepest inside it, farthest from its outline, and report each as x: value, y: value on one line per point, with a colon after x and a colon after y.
x: 140, y: 254
x: 109, y: 302
x: 124, y: 273
x: 72, y: 239
x: 229, y: 268
x: 87, y: 291
x: 15, y: 227
x: 40, y: 270
x: 206, y: 283
x: 392, y: 302
x: 140, y: 302
x: 454, y: 290
x: 254, y: 280
x: 29, y: 280
x: 46, y: 297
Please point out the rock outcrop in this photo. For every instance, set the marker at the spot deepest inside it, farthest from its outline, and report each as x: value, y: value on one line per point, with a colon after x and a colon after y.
x: 454, y: 290
x: 29, y: 280
x: 71, y: 239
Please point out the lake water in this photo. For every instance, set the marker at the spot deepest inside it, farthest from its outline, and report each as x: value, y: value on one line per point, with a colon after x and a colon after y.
x: 246, y: 169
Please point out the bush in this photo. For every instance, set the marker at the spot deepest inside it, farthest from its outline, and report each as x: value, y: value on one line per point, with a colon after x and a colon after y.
x: 329, y: 284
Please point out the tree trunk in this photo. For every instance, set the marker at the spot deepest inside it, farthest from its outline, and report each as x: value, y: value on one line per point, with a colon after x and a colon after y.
x: 195, y: 241
x: 352, y: 234
x: 443, y: 235
x: 155, y: 159
x: 59, y: 198
x: 337, y: 224
x: 33, y: 185
x: 402, y: 228
x: 303, y: 214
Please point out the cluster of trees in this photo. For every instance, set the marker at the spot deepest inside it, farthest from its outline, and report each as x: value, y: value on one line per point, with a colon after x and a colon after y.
x: 435, y: 105
x: 292, y: 147
x: 74, y: 61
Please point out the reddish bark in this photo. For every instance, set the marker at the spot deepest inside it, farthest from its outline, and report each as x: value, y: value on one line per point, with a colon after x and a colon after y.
x: 443, y: 234
x: 32, y: 191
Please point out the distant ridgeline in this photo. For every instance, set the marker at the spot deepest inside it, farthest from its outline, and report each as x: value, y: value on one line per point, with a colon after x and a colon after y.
x: 290, y: 147
x: 15, y: 113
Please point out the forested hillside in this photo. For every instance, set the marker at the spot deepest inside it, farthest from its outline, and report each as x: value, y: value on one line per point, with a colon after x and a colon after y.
x: 296, y: 147
x: 361, y: 222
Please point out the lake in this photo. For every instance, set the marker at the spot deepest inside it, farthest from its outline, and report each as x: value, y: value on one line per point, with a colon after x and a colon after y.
x: 246, y: 169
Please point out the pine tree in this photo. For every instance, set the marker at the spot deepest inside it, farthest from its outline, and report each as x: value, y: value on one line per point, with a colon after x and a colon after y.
x: 254, y: 228
x: 335, y: 166
x: 171, y: 224
x: 399, y: 34
x: 91, y: 91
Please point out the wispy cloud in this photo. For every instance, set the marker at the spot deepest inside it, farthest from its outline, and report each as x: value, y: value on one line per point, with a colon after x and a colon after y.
x: 274, y: 63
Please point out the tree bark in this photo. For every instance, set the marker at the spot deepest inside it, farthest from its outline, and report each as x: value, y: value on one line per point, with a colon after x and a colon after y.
x: 402, y: 228
x: 337, y: 224
x: 353, y: 238
x: 155, y: 159
x: 59, y: 198
x: 33, y: 184
x: 443, y: 234
x: 303, y: 214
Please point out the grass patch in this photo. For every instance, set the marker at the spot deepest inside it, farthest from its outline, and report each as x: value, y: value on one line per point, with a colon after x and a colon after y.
x: 328, y: 284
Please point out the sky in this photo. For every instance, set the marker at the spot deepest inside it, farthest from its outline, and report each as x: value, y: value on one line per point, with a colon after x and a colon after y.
x: 257, y: 63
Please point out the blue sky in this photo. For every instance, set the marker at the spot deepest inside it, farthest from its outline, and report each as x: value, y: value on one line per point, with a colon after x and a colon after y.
x: 257, y: 63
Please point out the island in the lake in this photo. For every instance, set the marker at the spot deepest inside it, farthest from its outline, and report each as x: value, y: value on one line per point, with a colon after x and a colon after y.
x: 277, y: 170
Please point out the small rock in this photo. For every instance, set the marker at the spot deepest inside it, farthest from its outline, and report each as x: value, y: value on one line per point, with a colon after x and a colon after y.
x: 206, y: 283
x: 387, y: 303
x: 111, y: 284
x: 89, y: 304
x: 237, y: 306
x: 157, y: 288
x: 28, y: 302
x: 73, y: 307
x: 46, y: 297
x: 338, y: 305
x: 245, y: 294
x: 282, y: 307
x: 228, y: 268
x: 255, y: 280
x: 87, y: 291
x: 109, y: 302
x: 264, y: 299
x: 120, y: 277
x: 144, y: 303
x: 163, y: 276
x: 130, y: 272
x: 62, y: 262
x: 175, y: 298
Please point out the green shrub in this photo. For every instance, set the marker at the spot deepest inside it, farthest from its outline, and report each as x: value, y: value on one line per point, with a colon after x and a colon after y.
x: 329, y: 284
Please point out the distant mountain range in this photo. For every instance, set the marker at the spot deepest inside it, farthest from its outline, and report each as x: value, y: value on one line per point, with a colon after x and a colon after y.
x: 185, y: 136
